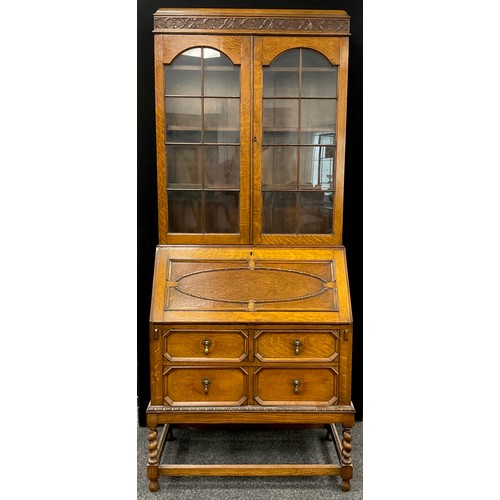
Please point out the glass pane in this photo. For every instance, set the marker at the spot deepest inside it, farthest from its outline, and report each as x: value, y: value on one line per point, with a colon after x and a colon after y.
x: 221, y: 77
x: 281, y: 78
x: 319, y: 77
x: 184, y: 166
x: 288, y: 59
x: 222, y: 166
x: 281, y: 82
x: 316, y: 167
x: 184, y: 211
x: 183, y: 76
x: 319, y: 83
x: 314, y: 59
x: 318, y: 117
x: 315, y: 213
x: 222, y: 120
x: 279, y: 167
x: 221, y: 212
x: 280, y: 121
x: 183, y: 119
x: 279, y: 215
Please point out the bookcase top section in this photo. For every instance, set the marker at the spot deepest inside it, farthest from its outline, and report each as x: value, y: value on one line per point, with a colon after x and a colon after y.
x: 253, y: 21
x: 250, y: 284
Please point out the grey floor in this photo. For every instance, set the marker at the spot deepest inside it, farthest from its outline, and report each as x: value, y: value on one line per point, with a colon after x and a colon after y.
x: 250, y: 446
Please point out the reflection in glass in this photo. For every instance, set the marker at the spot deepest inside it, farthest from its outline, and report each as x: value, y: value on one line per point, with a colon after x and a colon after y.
x: 222, y: 119
x: 184, y: 211
x: 316, y: 167
x: 184, y: 166
x: 183, y: 76
x: 221, y: 212
x: 315, y: 213
x: 320, y: 83
x: 222, y: 166
x: 280, y: 83
x: 202, y: 109
x: 183, y: 119
x: 279, y: 214
x: 279, y: 167
x: 318, y: 115
x: 281, y: 78
x: 319, y: 77
x: 221, y: 77
x: 280, y: 121
x: 288, y: 59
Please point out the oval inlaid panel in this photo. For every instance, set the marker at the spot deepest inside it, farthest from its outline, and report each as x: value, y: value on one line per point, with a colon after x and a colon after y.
x: 241, y: 285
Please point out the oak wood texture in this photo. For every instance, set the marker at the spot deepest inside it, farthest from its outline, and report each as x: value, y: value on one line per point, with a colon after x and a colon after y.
x: 266, y: 49
x: 251, y: 470
x: 296, y: 386
x: 294, y: 276
x: 209, y: 345
x: 251, y: 54
x: 341, y: 414
x: 198, y: 385
x: 250, y: 327
x: 296, y: 346
x: 268, y: 21
x: 238, y: 50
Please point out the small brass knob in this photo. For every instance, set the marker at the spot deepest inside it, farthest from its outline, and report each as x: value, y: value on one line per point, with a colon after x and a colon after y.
x: 297, y: 343
x: 206, y: 343
x: 296, y: 384
x: 206, y: 383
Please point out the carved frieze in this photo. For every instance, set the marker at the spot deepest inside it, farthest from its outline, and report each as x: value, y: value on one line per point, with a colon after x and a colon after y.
x: 328, y: 25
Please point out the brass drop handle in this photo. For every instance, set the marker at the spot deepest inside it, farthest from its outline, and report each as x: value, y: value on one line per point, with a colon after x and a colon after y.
x: 298, y: 344
x: 206, y: 382
x: 296, y: 383
x: 206, y: 343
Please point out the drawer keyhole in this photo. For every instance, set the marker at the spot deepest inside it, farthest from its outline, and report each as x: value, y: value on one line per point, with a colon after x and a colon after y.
x: 296, y: 384
x: 206, y: 344
x: 206, y: 383
x: 298, y: 344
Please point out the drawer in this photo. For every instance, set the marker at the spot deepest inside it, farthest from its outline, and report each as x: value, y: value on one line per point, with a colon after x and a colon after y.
x: 297, y: 345
x: 205, y: 345
x: 296, y: 386
x: 204, y: 386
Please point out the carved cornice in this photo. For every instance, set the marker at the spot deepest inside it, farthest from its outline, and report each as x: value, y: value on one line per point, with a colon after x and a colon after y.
x: 253, y: 409
x: 326, y: 25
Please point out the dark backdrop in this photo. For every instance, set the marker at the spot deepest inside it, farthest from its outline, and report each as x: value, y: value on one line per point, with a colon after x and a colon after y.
x: 147, y: 218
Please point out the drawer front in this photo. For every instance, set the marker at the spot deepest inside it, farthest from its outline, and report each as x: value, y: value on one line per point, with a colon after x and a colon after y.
x: 297, y: 346
x: 296, y: 386
x: 205, y: 386
x: 205, y: 345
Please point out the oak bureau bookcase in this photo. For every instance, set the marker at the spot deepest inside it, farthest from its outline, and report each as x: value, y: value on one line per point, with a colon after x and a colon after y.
x: 250, y: 314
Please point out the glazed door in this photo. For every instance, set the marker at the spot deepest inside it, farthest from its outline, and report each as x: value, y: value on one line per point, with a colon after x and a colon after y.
x: 203, y: 121
x: 298, y: 150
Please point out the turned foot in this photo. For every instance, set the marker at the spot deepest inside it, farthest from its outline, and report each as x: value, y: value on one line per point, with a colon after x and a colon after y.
x: 154, y: 485
x: 346, y: 484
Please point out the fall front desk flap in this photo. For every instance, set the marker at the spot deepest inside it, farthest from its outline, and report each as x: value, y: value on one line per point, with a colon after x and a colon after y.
x: 250, y: 284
